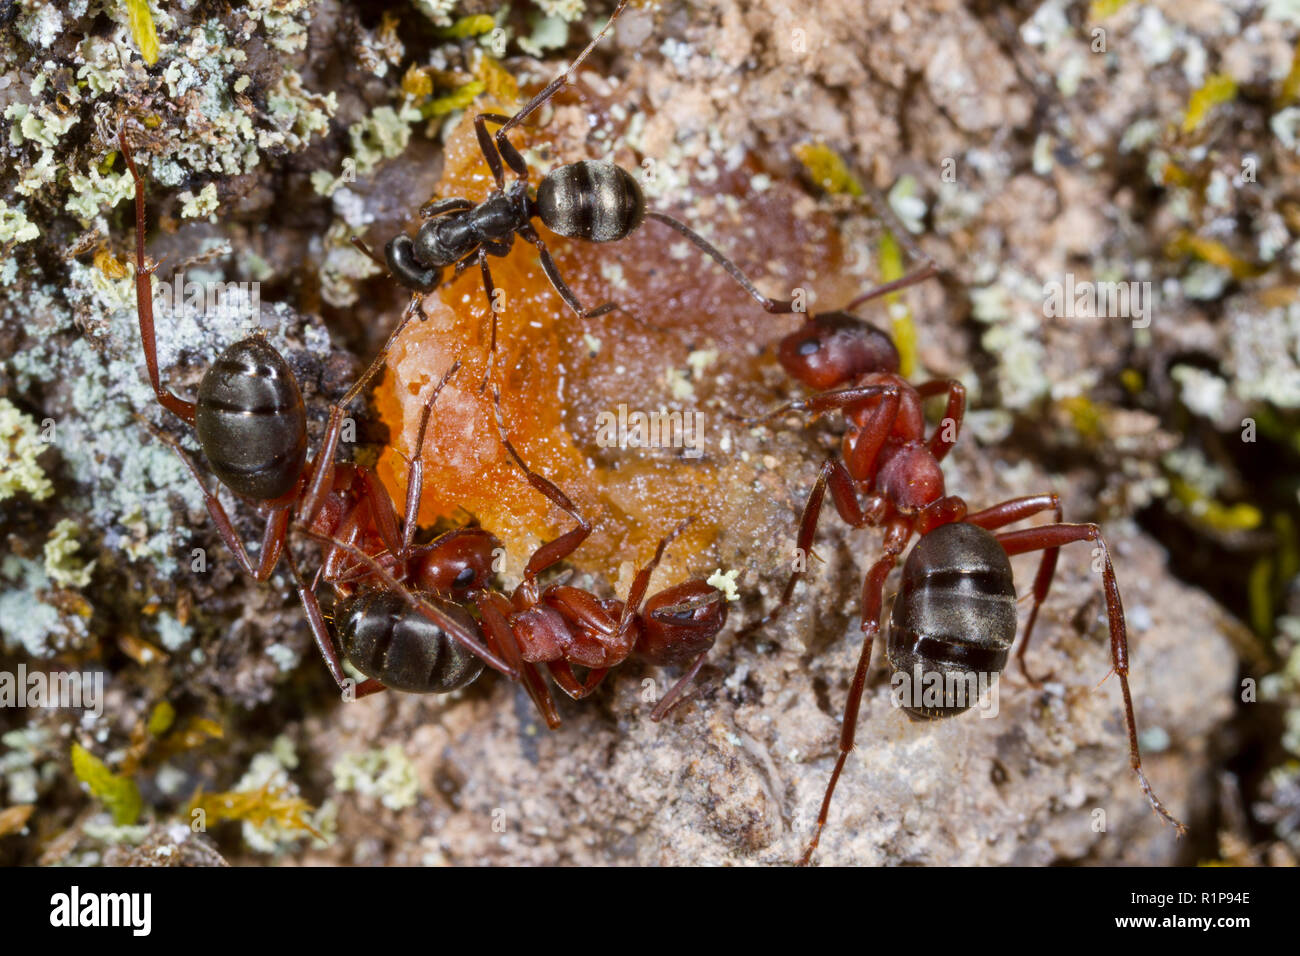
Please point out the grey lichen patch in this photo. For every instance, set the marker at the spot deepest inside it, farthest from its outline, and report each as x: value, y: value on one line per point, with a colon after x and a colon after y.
x: 32, y: 618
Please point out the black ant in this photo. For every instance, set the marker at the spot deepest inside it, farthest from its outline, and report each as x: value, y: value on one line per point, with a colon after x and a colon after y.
x: 553, y: 627
x: 590, y: 200
x: 955, y: 613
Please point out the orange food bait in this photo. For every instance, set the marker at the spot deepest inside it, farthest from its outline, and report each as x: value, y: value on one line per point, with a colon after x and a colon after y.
x: 583, y: 400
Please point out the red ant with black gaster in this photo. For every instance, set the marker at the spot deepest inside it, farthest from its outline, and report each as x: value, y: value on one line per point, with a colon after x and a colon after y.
x: 553, y: 627
x: 251, y: 425
x: 955, y: 612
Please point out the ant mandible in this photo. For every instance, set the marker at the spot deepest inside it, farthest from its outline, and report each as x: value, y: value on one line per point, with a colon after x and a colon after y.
x: 553, y: 627
x: 955, y: 613
x: 590, y: 200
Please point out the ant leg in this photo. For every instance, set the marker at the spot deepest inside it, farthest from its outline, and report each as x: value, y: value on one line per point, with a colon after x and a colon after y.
x: 779, y: 306
x: 673, y: 697
x: 369, y: 253
x: 459, y: 633
x: 558, y: 83
x: 440, y: 207
x: 873, y: 599
x: 1053, y: 536
x: 641, y: 583
x: 490, y: 289
x: 563, y: 676
x: 144, y: 295
x: 823, y: 402
x: 415, y: 474
x: 812, y: 511
x: 496, y: 625
x: 514, y: 159
x: 557, y: 281
x: 490, y: 151
x: 321, y: 633
x: 273, y: 536
x: 838, y: 475
x: 322, y: 479
x: 1009, y: 512
x: 945, y: 436
x: 553, y: 551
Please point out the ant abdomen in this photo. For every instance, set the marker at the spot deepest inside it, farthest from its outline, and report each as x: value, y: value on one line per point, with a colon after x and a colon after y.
x: 833, y: 348
x: 597, y: 201
x: 954, y: 618
x: 251, y: 422
x: 382, y: 635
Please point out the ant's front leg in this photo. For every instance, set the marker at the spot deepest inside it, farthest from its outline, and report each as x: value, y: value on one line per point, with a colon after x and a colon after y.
x: 441, y: 207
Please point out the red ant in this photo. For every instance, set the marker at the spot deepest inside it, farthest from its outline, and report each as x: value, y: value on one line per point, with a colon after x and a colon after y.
x: 554, y: 627
x: 955, y: 612
x: 251, y: 424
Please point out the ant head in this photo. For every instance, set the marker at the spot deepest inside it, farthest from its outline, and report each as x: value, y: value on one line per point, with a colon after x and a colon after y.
x: 406, y: 268
x: 834, y: 348
x: 681, y: 623
x: 459, y: 563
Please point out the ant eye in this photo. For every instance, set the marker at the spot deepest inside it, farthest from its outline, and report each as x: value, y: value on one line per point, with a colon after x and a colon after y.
x: 464, y: 578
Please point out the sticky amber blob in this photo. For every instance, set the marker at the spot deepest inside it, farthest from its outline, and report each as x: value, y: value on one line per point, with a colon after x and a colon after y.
x: 686, y: 340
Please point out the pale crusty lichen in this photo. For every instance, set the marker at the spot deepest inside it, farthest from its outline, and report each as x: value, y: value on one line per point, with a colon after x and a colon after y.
x: 204, y: 204
x: 387, y: 774
x: 21, y: 444
x: 14, y: 225
x: 61, y: 562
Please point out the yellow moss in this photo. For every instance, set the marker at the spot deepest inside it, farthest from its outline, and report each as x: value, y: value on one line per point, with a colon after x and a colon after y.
x: 496, y: 80
x: 1259, y: 588
x: 258, y: 806
x: 1213, y: 252
x: 1221, y: 517
x: 194, y: 733
x: 142, y: 30
x: 161, y: 718
x: 457, y: 99
x: 119, y: 794
x: 1291, y: 85
x: 1101, y: 9
x: 827, y: 169
x: 1218, y: 88
x: 470, y: 26
x: 902, y: 326
x: 416, y: 83
x: 1086, y: 416
x: 110, y: 265
x: 1175, y: 175
x: 1132, y: 380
